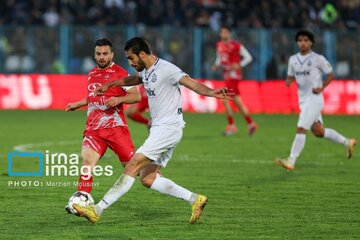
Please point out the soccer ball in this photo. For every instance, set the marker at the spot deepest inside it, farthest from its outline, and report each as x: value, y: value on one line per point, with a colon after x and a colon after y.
x: 82, y: 198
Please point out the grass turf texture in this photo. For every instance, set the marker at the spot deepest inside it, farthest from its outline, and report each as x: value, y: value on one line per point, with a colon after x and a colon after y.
x: 249, y: 197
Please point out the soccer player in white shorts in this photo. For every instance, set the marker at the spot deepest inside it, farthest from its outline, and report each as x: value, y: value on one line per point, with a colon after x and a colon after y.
x: 307, y: 68
x: 162, y: 82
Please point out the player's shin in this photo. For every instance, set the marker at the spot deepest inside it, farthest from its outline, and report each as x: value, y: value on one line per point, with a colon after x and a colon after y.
x: 297, y: 147
x: 166, y: 186
x: 121, y: 186
x: 335, y: 137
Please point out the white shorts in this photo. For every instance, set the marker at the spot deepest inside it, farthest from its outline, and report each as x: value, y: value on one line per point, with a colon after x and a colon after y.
x: 310, y: 113
x: 160, y: 144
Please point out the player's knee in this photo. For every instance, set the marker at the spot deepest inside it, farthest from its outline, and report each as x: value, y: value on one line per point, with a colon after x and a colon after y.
x: 146, y: 181
x: 300, y: 130
x: 318, y: 133
x: 87, y: 160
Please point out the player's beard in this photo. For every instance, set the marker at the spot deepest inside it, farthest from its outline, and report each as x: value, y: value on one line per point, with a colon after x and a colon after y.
x: 140, y: 66
x: 103, y: 65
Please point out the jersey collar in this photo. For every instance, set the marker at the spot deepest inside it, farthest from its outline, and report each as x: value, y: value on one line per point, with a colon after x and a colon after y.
x: 307, y: 58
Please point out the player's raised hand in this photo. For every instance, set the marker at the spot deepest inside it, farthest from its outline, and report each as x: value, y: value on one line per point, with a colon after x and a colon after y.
x: 113, y: 101
x: 71, y: 107
x: 101, y: 90
x: 222, y: 93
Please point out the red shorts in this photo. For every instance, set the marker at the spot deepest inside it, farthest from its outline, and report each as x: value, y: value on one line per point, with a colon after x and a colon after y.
x: 143, y: 104
x: 232, y: 85
x: 118, y: 139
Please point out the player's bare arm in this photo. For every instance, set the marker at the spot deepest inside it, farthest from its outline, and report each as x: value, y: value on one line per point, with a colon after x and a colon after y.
x: 203, y: 89
x: 329, y: 78
x: 289, y: 80
x: 133, y: 96
x: 75, y: 105
x: 127, y: 81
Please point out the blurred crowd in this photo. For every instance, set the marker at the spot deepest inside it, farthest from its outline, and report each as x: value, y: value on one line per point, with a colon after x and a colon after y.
x: 340, y: 14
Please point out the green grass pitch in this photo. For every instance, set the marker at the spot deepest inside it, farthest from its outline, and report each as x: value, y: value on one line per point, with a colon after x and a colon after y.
x: 249, y: 197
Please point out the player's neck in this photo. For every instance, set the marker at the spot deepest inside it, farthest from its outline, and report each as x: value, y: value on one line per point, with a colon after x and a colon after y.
x: 303, y: 53
x: 150, y: 61
x: 226, y: 40
x: 102, y: 68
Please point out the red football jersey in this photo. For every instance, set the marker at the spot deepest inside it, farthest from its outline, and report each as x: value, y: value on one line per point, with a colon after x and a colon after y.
x: 99, y: 115
x: 229, y: 53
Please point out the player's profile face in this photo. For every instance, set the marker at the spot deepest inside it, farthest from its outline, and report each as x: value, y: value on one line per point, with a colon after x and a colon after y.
x: 103, y: 56
x: 135, y: 61
x: 304, y: 43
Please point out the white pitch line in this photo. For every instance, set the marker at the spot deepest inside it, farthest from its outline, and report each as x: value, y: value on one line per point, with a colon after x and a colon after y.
x: 31, y: 146
x: 231, y: 158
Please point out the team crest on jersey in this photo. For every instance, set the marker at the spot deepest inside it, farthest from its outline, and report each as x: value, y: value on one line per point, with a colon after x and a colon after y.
x: 153, y: 78
x: 309, y: 63
x: 107, y: 76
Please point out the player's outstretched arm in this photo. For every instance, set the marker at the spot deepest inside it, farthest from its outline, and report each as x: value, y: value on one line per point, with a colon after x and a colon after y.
x: 126, y: 81
x: 75, y: 105
x: 203, y: 89
x: 133, y: 96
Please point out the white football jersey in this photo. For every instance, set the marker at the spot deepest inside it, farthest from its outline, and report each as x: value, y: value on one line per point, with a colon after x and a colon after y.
x: 161, y: 82
x: 308, y: 71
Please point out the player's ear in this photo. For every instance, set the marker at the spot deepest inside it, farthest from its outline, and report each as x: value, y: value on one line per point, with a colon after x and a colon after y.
x: 142, y: 54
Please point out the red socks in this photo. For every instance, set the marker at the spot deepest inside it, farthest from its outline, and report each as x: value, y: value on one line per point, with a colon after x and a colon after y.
x: 248, y: 119
x: 230, y: 120
x: 137, y: 117
x: 85, y: 185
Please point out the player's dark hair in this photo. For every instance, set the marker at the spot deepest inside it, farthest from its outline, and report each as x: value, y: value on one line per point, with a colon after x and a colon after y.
x: 226, y: 27
x: 136, y: 45
x: 306, y: 33
x: 103, y: 42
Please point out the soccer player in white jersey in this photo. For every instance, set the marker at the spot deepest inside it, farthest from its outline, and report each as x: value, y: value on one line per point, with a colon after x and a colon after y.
x: 162, y: 82
x: 307, y: 68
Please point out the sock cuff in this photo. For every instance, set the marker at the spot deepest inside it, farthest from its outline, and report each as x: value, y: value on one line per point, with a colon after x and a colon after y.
x: 156, y: 181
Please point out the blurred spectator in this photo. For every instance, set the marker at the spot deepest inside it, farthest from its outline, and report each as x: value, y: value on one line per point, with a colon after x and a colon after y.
x: 204, y: 13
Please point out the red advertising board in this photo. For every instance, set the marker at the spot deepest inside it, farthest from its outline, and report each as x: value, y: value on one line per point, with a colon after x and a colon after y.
x: 53, y: 91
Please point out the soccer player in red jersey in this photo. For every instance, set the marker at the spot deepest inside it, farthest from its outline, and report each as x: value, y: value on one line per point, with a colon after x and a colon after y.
x: 231, y: 57
x: 134, y: 111
x: 106, y: 124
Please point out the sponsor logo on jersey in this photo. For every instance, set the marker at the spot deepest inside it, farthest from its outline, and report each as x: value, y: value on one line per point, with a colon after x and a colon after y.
x: 302, y: 73
x: 93, y: 86
x: 154, y: 78
x: 150, y: 92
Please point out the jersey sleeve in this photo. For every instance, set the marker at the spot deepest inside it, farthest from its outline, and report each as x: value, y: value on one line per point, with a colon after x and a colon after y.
x: 290, y: 71
x: 246, y: 56
x: 175, y: 74
x: 325, y: 66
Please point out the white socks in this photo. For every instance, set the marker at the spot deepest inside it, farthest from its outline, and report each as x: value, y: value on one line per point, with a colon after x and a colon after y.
x: 121, y: 186
x: 335, y: 137
x: 297, y: 147
x: 166, y: 186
